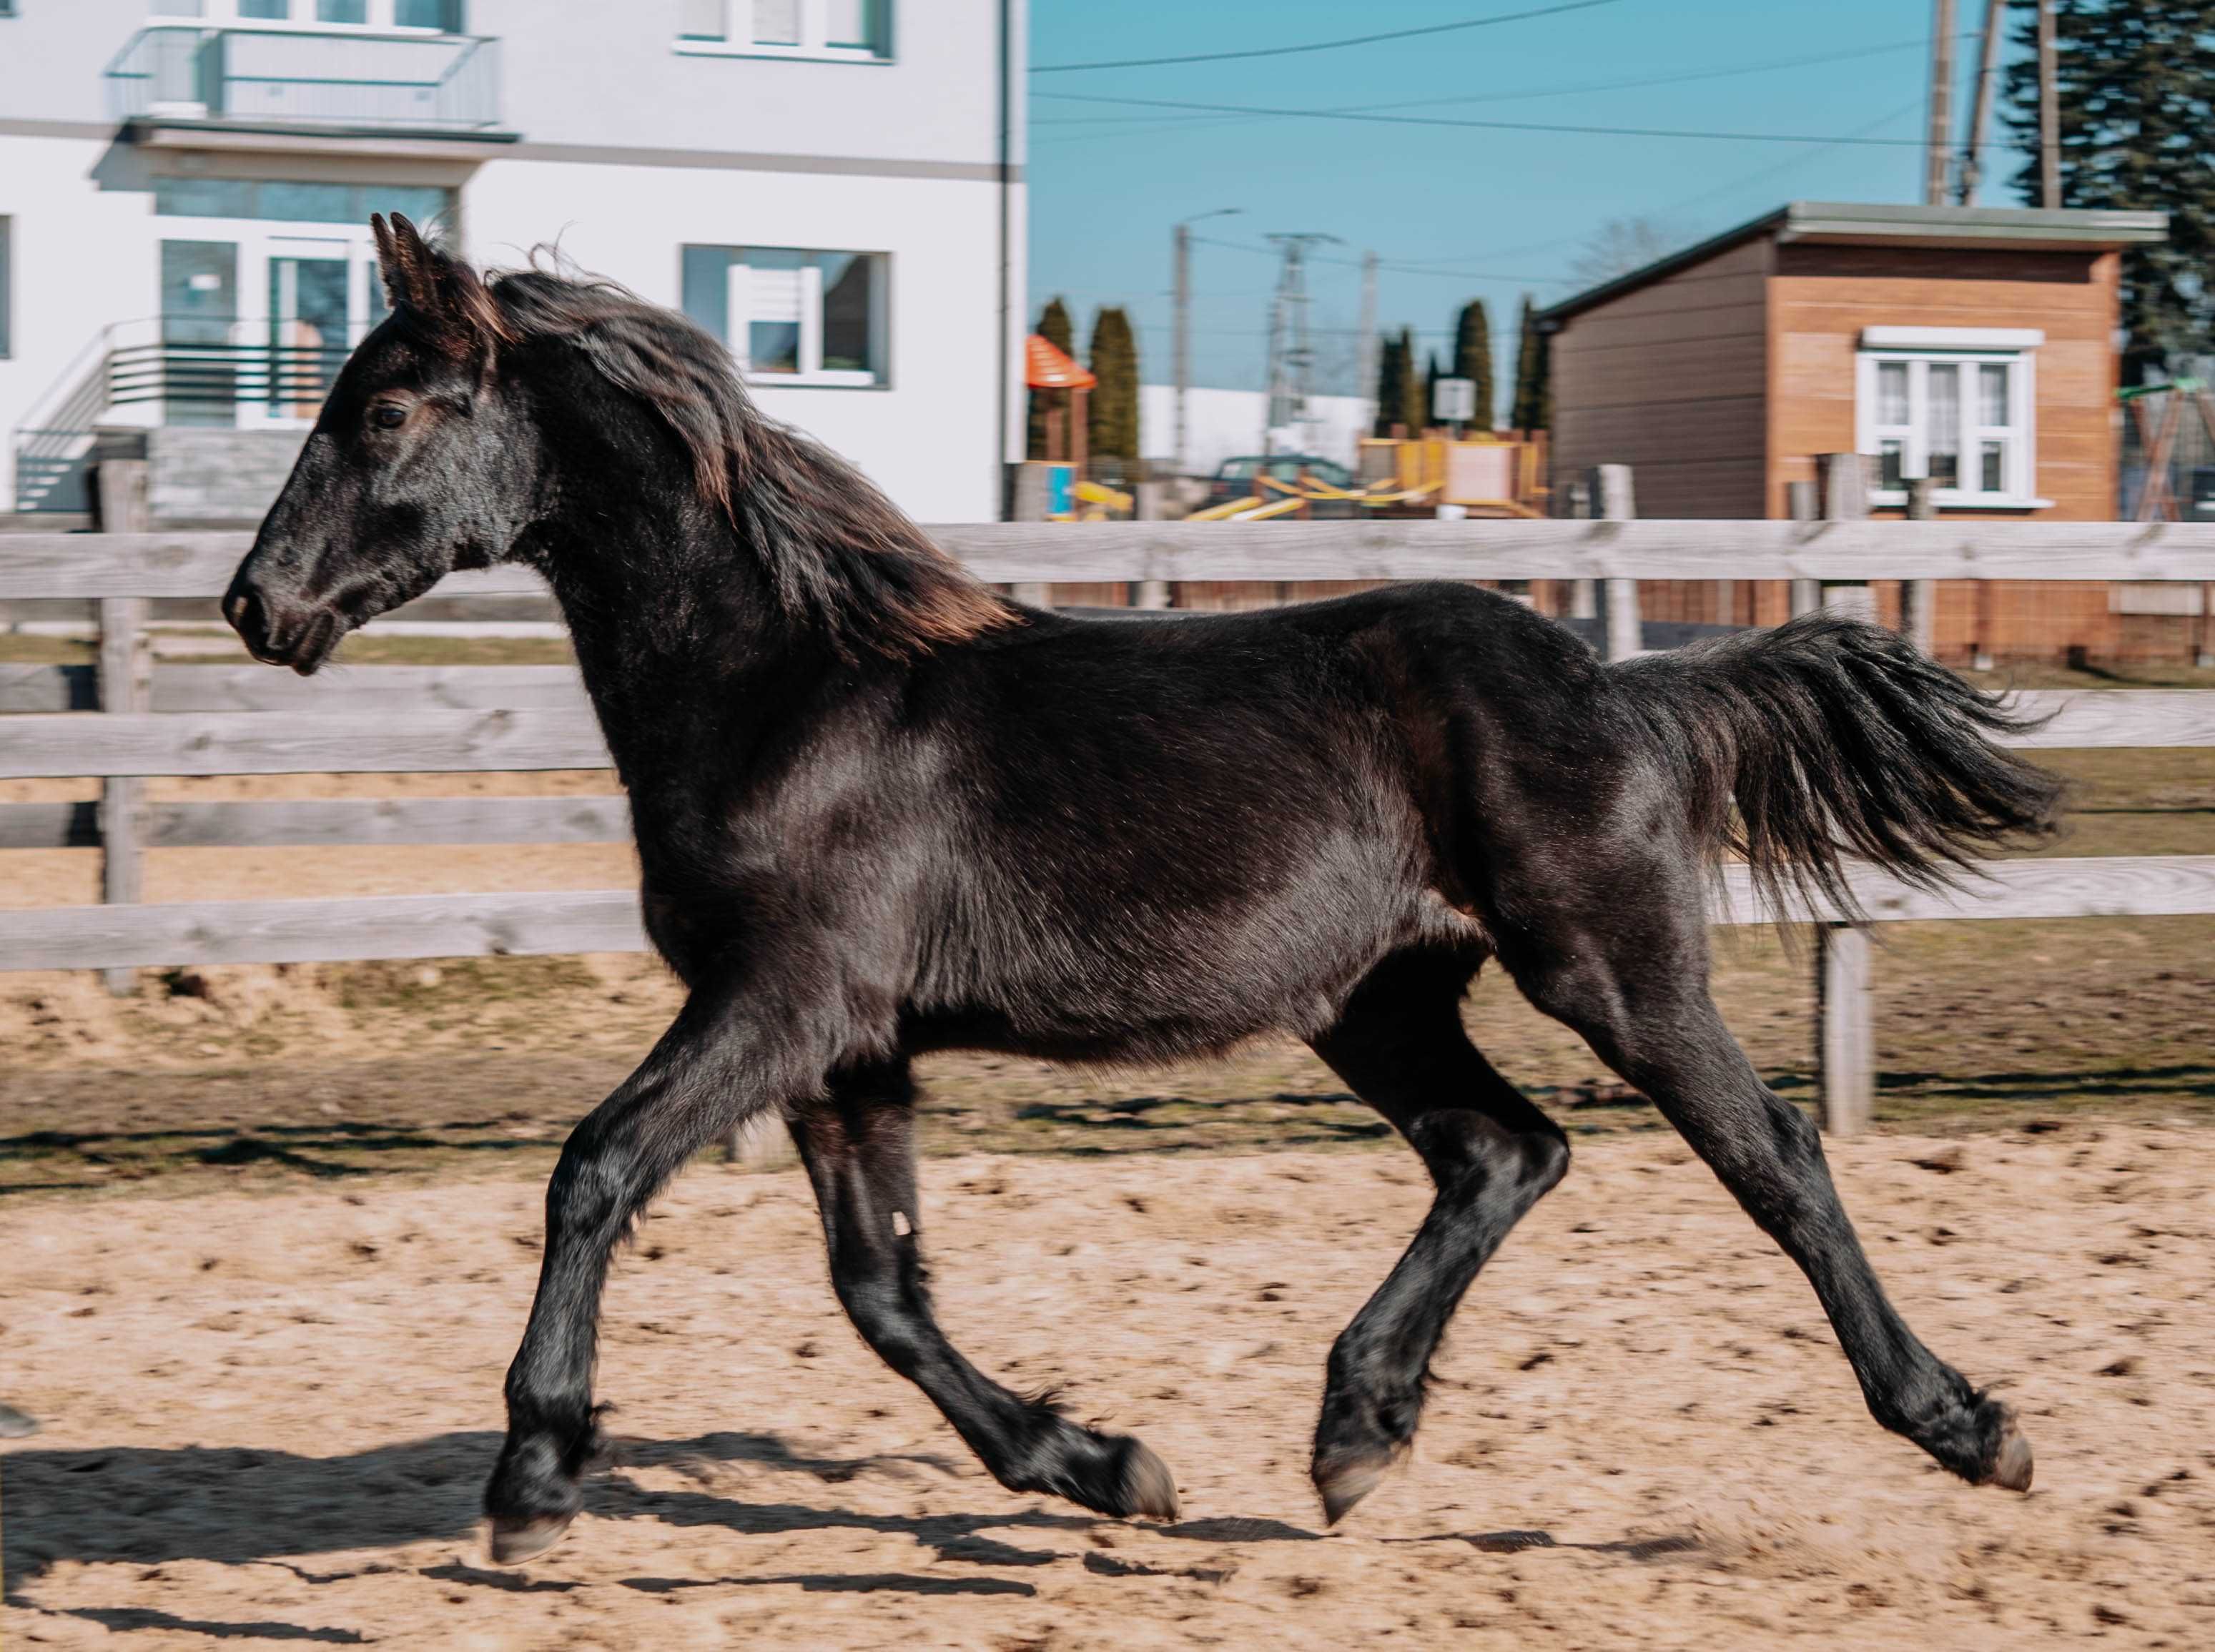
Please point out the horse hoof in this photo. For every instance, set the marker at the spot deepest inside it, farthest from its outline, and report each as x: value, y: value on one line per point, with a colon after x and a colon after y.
x: 1148, y: 1487
x: 514, y: 1541
x: 1347, y: 1481
x: 2011, y: 1459
x: 13, y: 1425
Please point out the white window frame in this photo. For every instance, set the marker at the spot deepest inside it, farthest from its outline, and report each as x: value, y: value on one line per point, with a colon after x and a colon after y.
x: 813, y: 46
x: 1966, y: 350
x: 738, y: 318
x: 302, y: 20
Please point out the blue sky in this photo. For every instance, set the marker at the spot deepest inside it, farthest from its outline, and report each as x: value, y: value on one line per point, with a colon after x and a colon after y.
x: 1486, y: 213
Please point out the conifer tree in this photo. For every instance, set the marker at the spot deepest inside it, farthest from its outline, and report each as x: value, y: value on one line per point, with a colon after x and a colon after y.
x: 1055, y: 328
x: 2135, y: 83
x: 1473, y: 356
x: 1113, y: 406
x: 1534, y: 396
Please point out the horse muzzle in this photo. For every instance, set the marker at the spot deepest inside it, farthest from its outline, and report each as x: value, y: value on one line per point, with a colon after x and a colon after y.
x: 277, y: 630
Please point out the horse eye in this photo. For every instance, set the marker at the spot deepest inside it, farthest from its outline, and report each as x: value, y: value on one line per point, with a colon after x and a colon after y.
x: 386, y: 417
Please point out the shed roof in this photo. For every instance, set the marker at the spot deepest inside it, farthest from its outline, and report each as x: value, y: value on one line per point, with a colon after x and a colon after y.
x: 1872, y: 225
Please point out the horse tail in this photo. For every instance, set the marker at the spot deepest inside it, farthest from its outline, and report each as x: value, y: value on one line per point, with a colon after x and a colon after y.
x: 1828, y: 738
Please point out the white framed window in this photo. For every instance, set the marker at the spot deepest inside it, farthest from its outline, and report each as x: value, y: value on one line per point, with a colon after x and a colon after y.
x: 405, y: 16
x: 837, y: 31
x: 791, y: 316
x: 1954, y: 405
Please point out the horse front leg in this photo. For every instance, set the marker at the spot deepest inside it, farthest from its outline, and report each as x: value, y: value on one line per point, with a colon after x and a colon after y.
x: 858, y: 1144
x: 721, y: 1061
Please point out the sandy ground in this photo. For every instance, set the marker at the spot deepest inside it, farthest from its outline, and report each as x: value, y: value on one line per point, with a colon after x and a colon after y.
x: 268, y: 1414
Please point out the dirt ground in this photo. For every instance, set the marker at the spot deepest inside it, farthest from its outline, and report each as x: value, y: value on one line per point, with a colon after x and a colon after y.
x: 268, y: 1415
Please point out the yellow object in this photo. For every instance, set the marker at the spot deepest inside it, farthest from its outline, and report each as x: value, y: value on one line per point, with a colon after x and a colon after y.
x: 1101, y: 493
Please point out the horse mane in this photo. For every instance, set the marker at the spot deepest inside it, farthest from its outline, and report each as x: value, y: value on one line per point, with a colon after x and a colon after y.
x: 840, y: 556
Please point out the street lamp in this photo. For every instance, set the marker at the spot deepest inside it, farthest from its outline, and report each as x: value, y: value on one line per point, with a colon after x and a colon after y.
x: 1181, y: 238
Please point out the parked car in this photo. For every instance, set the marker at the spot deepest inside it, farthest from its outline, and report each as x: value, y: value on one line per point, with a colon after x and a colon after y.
x: 1235, y: 478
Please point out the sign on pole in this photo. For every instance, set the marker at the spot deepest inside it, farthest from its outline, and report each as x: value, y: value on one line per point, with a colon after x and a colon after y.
x: 1453, y: 400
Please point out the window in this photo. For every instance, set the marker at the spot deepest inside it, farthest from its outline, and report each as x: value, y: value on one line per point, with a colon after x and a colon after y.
x: 273, y: 10
x: 7, y: 284
x: 803, y: 317
x: 1953, y: 405
x: 342, y: 11
x: 293, y: 202
x: 444, y: 16
x: 859, y: 29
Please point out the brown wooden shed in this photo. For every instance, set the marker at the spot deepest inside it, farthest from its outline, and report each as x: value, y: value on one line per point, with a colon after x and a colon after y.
x: 1973, y: 346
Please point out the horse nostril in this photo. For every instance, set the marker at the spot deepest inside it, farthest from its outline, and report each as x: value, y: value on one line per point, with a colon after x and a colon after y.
x: 249, y: 618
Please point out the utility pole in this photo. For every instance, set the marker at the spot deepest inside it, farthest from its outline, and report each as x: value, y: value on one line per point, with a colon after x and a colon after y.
x: 1938, y: 147
x: 1365, y: 353
x: 2049, y: 111
x: 1180, y: 242
x: 1292, y: 358
x: 1980, y: 111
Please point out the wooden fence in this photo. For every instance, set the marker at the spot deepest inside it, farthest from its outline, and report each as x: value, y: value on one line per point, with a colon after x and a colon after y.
x: 197, y: 720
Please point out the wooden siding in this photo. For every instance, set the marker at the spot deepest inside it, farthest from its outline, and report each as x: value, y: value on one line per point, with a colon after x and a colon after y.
x: 1821, y: 297
x: 1669, y: 379
x: 1721, y: 383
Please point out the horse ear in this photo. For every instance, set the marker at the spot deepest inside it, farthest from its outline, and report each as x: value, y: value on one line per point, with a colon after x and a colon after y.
x: 445, y: 295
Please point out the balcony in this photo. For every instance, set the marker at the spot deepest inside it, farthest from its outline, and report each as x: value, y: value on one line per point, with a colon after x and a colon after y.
x: 189, y: 73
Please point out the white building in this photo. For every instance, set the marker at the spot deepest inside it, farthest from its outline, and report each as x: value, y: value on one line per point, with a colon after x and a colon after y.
x: 833, y: 185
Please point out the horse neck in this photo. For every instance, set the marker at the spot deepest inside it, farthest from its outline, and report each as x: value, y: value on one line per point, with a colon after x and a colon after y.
x: 675, y: 635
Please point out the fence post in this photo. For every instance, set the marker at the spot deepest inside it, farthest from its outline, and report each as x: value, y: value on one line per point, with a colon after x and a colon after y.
x: 1918, y: 598
x: 1577, y: 504
x: 1845, y: 499
x: 1846, y: 1043
x: 1612, y: 500
x: 1804, y: 501
x: 126, y: 680
x: 1149, y: 593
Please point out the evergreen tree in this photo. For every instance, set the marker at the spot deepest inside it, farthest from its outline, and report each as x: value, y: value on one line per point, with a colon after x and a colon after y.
x: 1432, y: 374
x: 2135, y: 83
x: 1473, y: 356
x: 1534, y: 392
x: 1391, y: 377
x: 1055, y: 328
x: 1415, y: 393
x: 1112, y: 425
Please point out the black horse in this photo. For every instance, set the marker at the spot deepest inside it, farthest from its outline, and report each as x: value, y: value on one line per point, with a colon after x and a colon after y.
x: 882, y: 811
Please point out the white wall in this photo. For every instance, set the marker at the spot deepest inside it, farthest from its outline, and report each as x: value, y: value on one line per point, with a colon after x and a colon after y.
x: 584, y: 82
x: 927, y: 436
x: 1225, y: 423
x: 80, y: 257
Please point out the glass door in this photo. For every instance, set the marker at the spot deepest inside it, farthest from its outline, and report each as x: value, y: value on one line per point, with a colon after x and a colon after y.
x: 198, y: 366
x: 309, y: 328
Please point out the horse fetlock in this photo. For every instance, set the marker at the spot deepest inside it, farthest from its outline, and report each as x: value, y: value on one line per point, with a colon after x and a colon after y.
x: 1362, y: 1434
x: 1969, y: 1432
x: 1112, y: 1474
x: 530, y: 1499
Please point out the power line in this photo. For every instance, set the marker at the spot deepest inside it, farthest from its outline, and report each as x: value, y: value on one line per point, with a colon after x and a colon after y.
x: 1325, y: 45
x: 1919, y: 43
x: 1492, y: 125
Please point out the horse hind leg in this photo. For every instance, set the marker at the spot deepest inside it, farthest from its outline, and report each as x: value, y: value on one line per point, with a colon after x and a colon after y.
x: 1491, y: 1155
x: 859, y: 1147
x: 1630, y: 977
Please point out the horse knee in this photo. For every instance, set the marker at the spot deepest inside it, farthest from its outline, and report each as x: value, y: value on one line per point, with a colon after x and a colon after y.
x: 1545, y: 1159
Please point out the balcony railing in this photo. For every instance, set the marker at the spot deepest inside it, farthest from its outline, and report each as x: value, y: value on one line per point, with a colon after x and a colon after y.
x: 129, y: 375
x: 294, y: 77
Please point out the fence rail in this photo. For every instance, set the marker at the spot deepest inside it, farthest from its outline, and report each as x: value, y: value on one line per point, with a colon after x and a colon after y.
x: 201, y: 564
x: 179, y: 721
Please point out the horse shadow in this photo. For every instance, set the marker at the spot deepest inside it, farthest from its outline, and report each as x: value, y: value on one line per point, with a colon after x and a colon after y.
x: 238, y: 1505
